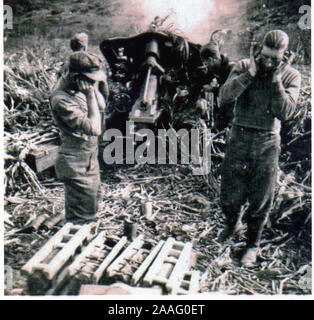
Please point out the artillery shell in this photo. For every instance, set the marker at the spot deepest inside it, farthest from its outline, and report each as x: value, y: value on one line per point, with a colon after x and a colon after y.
x: 54, y: 220
x: 130, y: 230
x: 38, y: 222
x: 147, y: 209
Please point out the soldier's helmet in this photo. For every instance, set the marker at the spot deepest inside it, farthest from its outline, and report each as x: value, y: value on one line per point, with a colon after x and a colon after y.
x: 87, y: 64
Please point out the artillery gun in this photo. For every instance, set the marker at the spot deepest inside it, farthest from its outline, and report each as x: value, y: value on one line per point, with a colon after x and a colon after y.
x: 144, y: 67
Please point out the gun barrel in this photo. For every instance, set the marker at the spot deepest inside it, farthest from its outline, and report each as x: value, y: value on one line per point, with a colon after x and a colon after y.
x: 149, y: 71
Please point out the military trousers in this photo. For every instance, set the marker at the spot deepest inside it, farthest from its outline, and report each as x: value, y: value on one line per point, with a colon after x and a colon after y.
x: 79, y: 171
x: 249, y: 174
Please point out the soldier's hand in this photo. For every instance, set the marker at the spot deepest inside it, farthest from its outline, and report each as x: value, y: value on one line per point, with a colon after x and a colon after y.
x: 277, y: 73
x: 201, y: 106
x: 100, y: 100
x: 253, y: 67
x: 85, y: 87
x: 209, y: 87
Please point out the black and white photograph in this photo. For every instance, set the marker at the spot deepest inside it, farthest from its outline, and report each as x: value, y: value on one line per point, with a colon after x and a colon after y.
x: 157, y: 148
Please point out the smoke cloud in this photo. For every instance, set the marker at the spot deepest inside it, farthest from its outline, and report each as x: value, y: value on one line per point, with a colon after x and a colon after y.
x: 196, y: 19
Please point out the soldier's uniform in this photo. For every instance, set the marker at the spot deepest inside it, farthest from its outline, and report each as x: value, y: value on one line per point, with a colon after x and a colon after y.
x: 77, y: 163
x: 250, y: 166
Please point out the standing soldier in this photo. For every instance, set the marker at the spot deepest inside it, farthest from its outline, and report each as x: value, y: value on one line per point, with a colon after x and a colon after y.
x: 76, y: 112
x: 266, y: 91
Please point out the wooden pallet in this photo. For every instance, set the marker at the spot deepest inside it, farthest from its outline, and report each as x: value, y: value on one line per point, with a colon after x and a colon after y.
x: 96, y: 257
x: 190, y: 284
x: 170, y: 265
x: 69, y: 259
x: 45, y: 270
x: 134, y: 261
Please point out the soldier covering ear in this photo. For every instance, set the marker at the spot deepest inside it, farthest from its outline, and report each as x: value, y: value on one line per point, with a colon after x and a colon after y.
x: 266, y: 91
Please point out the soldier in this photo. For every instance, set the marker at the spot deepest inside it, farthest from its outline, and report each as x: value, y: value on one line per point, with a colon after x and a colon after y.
x: 211, y: 76
x: 266, y: 91
x: 79, y: 42
x: 76, y: 111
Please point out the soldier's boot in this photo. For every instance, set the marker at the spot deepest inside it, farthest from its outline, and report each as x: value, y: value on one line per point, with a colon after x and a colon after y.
x: 254, y: 234
x: 239, y: 228
x: 249, y: 257
x: 228, y: 232
x: 80, y: 219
